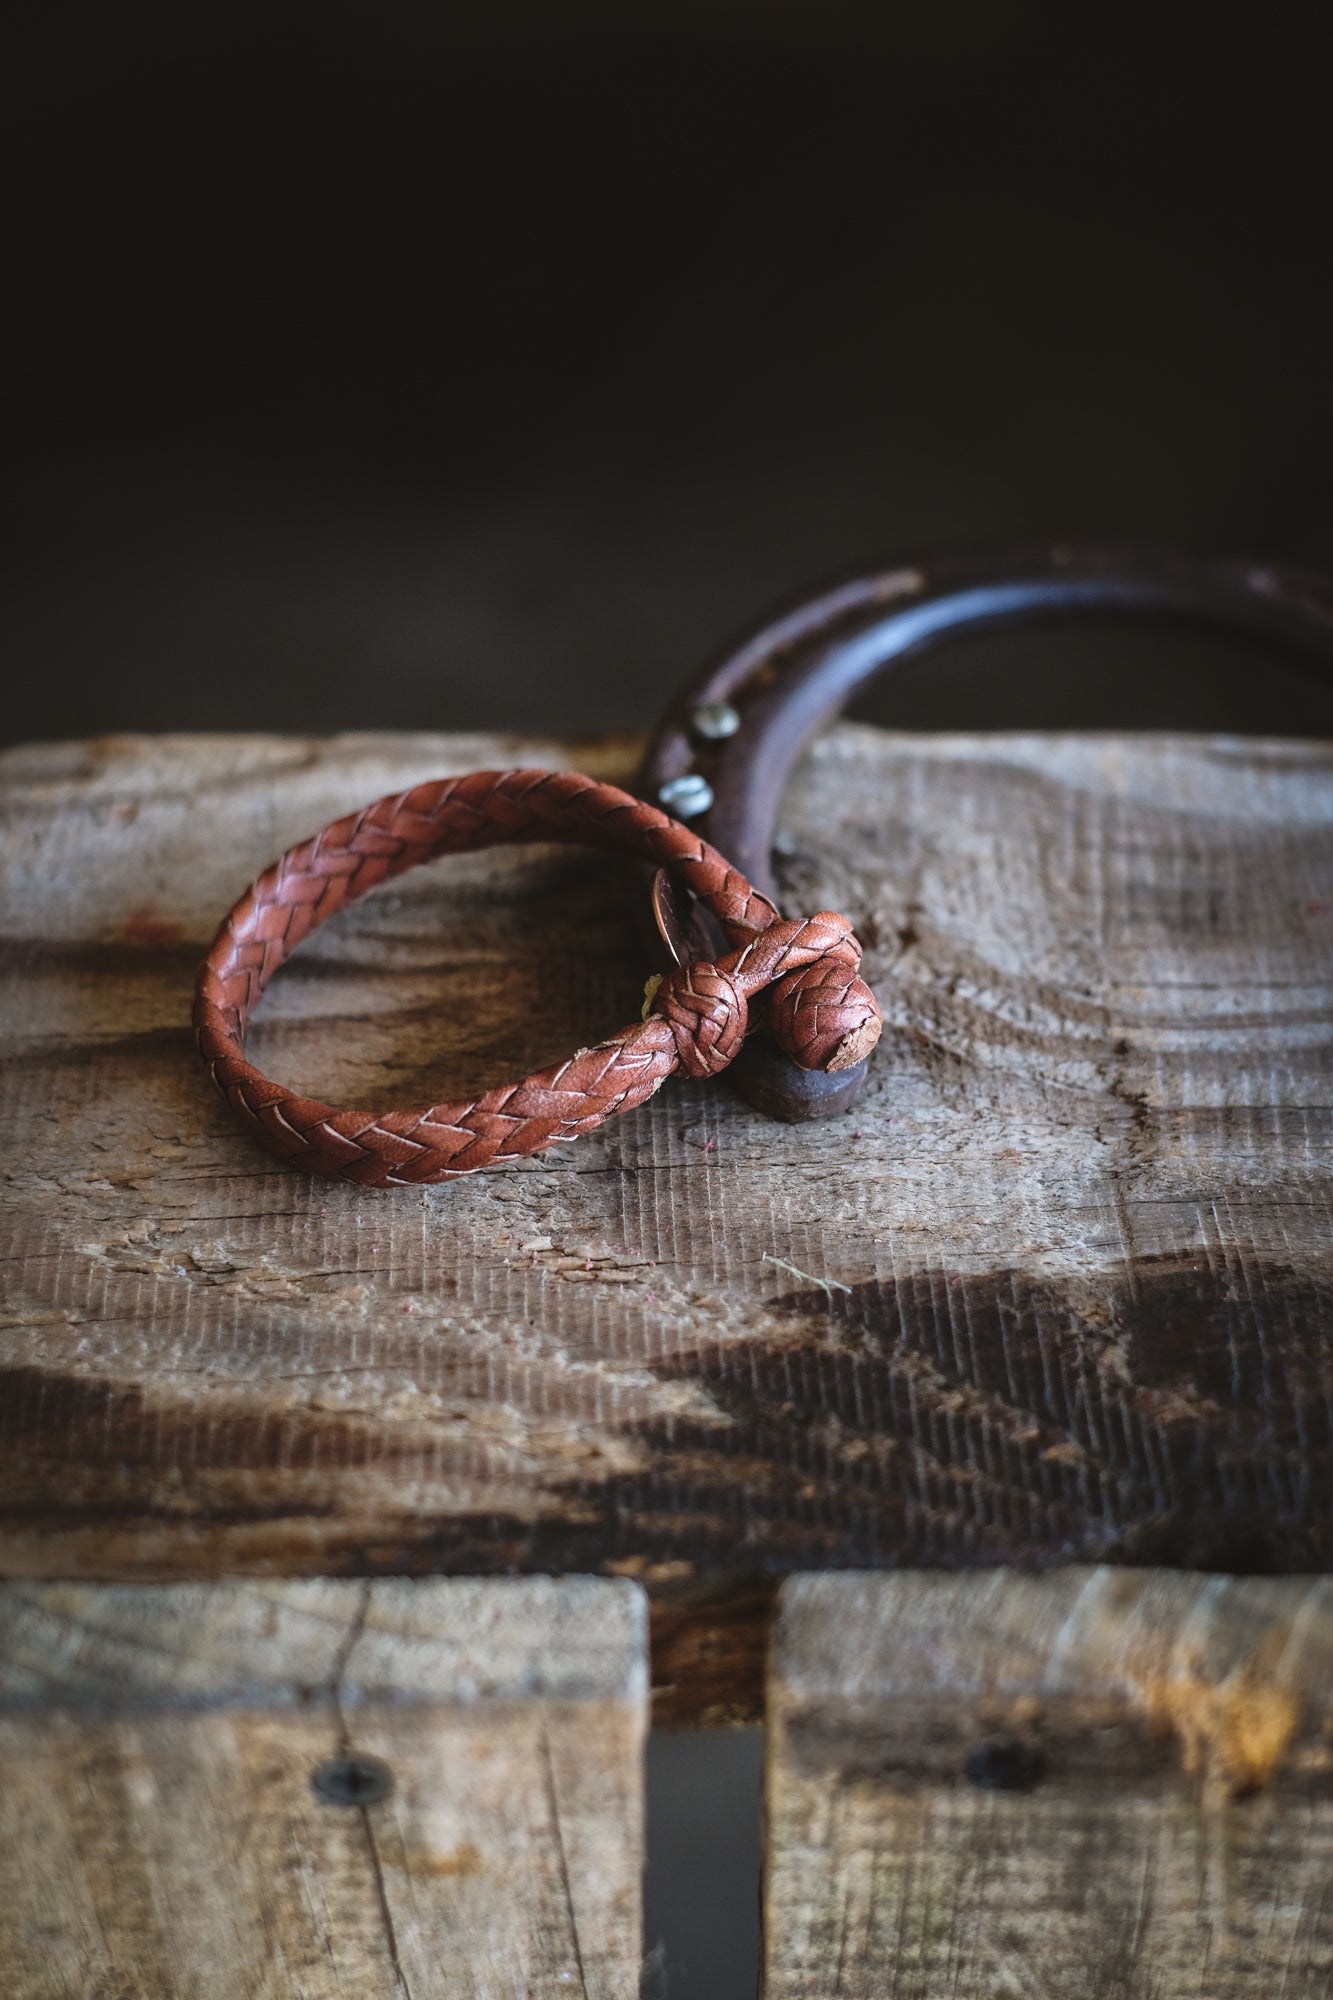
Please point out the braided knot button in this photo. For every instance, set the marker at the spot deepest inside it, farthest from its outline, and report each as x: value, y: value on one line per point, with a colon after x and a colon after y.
x: 708, y: 1013
x: 825, y: 1016
x: 819, y: 1008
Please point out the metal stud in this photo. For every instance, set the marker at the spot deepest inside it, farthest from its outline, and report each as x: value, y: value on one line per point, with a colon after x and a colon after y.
x: 714, y: 721
x: 686, y: 796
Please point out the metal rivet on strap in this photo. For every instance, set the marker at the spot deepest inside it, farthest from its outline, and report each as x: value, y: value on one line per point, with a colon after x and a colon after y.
x: 714, y: 721
x: 686, y: 796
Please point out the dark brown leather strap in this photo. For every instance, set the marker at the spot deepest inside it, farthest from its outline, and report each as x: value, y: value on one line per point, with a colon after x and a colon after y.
x: 804, y: 973
x: 723, y: 752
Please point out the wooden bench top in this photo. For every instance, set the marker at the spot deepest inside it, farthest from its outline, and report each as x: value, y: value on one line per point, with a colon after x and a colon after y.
x: 1061, y: 1287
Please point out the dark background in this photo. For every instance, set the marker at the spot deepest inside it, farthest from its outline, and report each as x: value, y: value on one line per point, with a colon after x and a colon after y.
x: 491, y: 364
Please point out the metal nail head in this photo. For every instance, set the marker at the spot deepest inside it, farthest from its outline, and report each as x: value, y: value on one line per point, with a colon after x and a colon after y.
x: 352, y: 1781
x: 1004, y: 1764
x: 714, y: 721
x: 686, y: 796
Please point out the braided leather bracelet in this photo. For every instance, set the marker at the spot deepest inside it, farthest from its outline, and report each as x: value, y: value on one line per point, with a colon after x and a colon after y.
x: 696, y: 1018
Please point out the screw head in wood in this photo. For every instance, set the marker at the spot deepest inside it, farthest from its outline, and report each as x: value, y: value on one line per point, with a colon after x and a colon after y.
x: 1004, y: 1764
x: 714, y: 721
x: 352, y: 1781
x: 686, y: 796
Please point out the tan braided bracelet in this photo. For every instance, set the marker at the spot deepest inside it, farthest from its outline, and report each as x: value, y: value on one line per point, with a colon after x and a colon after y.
x: 697, y: 1018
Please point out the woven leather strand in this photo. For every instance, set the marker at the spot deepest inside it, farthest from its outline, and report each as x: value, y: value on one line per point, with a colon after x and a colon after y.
x: 823, y: 1014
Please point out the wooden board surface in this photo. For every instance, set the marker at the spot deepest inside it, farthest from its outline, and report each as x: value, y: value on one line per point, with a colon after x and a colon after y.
x: 1061, y: 1286
x: 162, y: 1831
x: 1101, y: 1784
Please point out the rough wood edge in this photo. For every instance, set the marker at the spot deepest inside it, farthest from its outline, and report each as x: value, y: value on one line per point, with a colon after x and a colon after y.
x: 244, y: 1643
x: 1238, y: 1670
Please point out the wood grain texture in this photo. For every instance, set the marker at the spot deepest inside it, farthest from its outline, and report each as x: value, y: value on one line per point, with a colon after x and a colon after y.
x: 160, y: 1834
x: 1170, y: 1836
x: 1060, y: 1287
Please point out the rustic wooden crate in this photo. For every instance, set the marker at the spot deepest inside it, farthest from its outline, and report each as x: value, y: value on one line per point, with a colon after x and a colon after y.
x: 1058, y: 1290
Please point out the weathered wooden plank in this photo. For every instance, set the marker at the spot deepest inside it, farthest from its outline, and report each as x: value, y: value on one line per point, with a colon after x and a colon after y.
x: 1098, y: 1783
x: 1070, y: 1263
x: 161, y: 1833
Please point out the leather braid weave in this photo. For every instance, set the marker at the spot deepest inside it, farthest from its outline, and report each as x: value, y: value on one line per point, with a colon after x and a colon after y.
x: 698, y: 1017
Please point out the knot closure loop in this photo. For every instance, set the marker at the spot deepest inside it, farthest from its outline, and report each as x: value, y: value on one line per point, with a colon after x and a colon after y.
x: 803, y: 973
x: 819, y: 1008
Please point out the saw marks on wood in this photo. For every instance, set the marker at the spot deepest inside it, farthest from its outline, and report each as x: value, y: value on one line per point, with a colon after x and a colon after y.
x: 1102, y: 1784
x: 162, y: 1831
x: 1061, y: 1285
